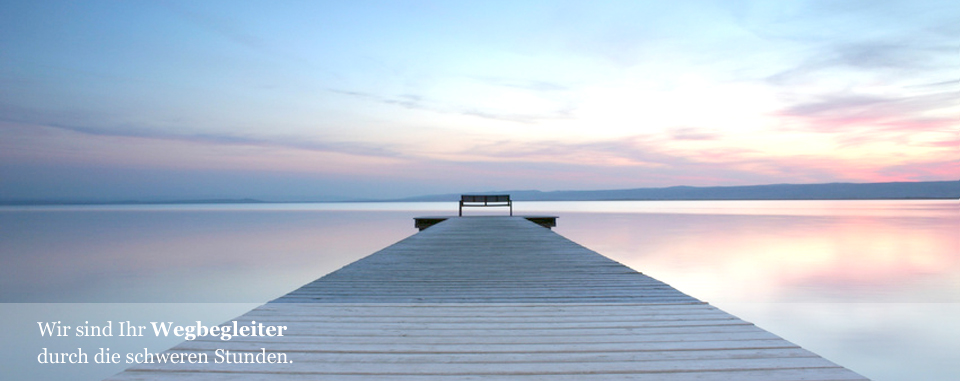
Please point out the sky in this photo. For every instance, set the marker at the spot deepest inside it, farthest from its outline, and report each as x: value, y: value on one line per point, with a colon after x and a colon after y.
x: 311, y: 100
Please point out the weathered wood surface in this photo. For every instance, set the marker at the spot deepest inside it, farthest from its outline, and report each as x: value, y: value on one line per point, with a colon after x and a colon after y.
x: 498, y: 298
x: 428, y: 221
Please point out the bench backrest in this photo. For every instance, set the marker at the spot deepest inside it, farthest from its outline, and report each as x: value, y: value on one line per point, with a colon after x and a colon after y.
x: 485, y: 198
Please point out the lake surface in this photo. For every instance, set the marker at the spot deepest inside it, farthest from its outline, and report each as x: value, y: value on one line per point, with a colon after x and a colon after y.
x: 871, y: 285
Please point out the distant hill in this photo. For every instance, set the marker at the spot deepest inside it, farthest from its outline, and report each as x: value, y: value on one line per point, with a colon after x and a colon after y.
x: 831, y: 191
x: 129, y: 202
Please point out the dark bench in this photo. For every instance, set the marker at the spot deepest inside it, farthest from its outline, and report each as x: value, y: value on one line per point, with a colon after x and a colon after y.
x: 485, y: 200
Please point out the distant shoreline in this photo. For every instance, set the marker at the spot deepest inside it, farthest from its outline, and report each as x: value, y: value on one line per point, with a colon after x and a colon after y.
x: 259, y: 202
x: 928, y: 190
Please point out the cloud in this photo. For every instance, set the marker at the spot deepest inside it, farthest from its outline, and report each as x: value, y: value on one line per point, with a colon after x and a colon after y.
x: 417, y: 102
x: 526, y: 84
x: 646, y: 160
x: 517, y: 118
x: 845, y: 110
x: 895, y: 61
x: 650, y: 160
x: 407, y: 101
x: 278, y: 141
x: 629, y: 151
x: 894, y: 40
x: 909, y: 55
x: 952, y: 84
x: 692, y: 133
x: 924, y: 171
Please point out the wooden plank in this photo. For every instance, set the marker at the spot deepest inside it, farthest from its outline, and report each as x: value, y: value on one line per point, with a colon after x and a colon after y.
x: 521, y: 368
x: 739, y: 375
x: 486, y: 259
x: 497, y: 298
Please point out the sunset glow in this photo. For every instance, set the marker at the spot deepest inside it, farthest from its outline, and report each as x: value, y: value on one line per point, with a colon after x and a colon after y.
x: 291, y: 100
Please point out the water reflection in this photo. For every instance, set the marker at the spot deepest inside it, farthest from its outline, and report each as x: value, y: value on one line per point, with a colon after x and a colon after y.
x: 875, y: 208
x: 882, y: 341
x: 894, y: 265
x: 183, y: 256
x: 22, y: 343
x: 766, y: 258
x: 786, y: 266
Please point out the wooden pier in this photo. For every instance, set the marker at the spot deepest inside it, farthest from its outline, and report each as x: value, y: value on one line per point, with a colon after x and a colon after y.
x: 497, y: 298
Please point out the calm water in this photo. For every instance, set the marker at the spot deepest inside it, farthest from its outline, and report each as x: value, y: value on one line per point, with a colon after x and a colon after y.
x: 871, y: 285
